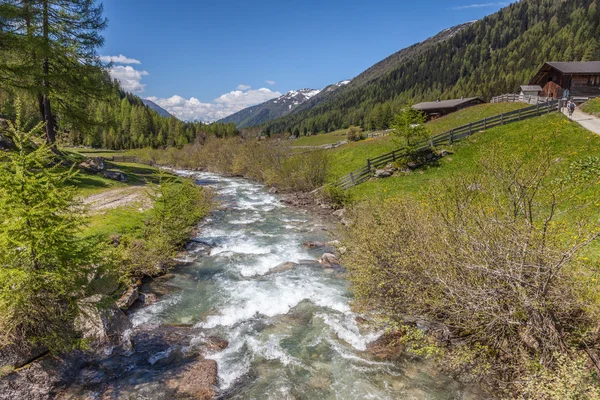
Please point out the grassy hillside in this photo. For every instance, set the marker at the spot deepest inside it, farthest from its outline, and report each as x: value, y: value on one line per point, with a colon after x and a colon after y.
x: 354, y: 155
x: 565, y: 140
x: 592, y: 107
x: 489, y: 57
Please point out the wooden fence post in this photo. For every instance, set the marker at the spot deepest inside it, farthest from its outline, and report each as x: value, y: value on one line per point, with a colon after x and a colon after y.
x: 352, y: 178
x: 452, y: 136
x: 470, y: 128
x: 501, y: 119
x: 537, y: 108
x: 394, y: 155
x: 484, y: 123
x: 369, y: 164
x: 519, y: 114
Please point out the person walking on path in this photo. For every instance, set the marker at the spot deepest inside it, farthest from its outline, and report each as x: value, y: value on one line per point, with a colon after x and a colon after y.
x: 570, y: 109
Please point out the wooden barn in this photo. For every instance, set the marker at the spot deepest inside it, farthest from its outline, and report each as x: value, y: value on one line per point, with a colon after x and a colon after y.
x: 435, y: 109
x: 581, y: 79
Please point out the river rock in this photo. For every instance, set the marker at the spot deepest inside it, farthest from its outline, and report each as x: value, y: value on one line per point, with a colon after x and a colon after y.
x: 339, y: 213
x: 95, y: 164
x: 195, y: 380
x: 147, y: 299
x: 116, y: 176
x: 314, y: 245
x: 329, y: 260
x: 387, y: 347
x: 273, y: 190
x: 282, y: 268
x: 216, y: 343
x: 102, y: 326
x: 128, y: 298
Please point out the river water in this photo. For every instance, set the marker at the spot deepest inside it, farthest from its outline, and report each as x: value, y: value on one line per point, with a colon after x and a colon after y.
x: 291, y: 334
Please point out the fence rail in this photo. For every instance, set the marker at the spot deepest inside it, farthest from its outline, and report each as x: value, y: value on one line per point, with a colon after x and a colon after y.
x: 520, y: 98
x: 360, y: 175
x: 130, y: 159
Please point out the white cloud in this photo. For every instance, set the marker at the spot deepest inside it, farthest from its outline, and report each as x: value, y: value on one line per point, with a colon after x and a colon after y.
x: 229, y: 103
x: 481, y: 5
x: 129, y: 77
x: 120, y: 59
x: 243, y: 87
x: 270, y: 82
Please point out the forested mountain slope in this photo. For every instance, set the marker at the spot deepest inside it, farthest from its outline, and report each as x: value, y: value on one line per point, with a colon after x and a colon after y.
x: 488, y: 57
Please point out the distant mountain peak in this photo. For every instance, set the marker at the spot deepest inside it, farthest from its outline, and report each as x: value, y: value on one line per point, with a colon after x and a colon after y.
x: 161, y: 111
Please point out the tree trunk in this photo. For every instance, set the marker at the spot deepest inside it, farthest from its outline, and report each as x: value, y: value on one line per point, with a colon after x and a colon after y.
x: 47, y: 110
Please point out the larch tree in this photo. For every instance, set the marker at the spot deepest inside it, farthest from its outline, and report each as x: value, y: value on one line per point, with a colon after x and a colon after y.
x: 52, y: 46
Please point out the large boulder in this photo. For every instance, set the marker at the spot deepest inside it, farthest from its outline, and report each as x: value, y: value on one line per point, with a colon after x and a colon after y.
x: 196, y: 380
x: 128, y: 298
x: 95, y: 164
x: 102, y: 325
x: 116, y: 176
x: 20, y: 354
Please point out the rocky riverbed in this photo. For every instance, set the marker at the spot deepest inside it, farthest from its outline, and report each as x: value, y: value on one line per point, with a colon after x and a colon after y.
x: 250, y: 313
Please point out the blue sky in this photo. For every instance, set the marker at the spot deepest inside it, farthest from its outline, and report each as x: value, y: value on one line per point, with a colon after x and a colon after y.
x: 204, y: 59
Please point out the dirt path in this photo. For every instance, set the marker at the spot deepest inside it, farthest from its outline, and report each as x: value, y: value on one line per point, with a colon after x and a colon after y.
x: 588, y: 121
x: 115, y: 198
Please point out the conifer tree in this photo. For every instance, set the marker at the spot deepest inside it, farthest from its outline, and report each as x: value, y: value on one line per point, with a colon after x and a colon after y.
x: 43, y: 260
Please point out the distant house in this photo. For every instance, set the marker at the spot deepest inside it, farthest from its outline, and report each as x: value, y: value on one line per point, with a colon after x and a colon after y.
x: 581, y: 79
x: 435, y: 109
x: 532, y: 90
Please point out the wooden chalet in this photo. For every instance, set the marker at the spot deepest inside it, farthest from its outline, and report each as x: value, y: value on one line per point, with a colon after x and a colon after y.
x: 436, y: 109
x: 581, y: 79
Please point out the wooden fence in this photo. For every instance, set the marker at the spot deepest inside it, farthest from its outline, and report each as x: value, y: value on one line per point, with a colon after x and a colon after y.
x: 130, y: 159
x: 360, y: 175
x: 520, y: 98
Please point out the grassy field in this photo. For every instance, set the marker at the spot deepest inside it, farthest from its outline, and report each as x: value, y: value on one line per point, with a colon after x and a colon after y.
x: 565, y: 140
x: 471, y: 114
x: 592, y: 107
x: 354, y: 155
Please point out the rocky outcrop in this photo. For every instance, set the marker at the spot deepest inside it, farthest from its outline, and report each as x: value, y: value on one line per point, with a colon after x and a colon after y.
x: 215, y: 343
x: 128, y: 298
x: 6, y: 143
x: 314, y: 245
x: 195, y: 380
x: 18, y: 355
x: 102, y: 325
x: 385, y: 172
x: 116, y: 176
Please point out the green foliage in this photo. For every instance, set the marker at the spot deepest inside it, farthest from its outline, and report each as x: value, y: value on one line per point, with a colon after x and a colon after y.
x: 492, y: 256
x: 268, y: 161
x: 409, y: 126
x: 337, y: 197
x: 489, y: 57
x: 179, y: 204
x: 354, y: 134
x: 592, y: 106
x: 44, y: 261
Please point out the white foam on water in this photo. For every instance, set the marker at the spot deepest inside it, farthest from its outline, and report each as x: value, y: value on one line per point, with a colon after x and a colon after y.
x: 153, y: 359
x: 242, y: 245
x: 345, y: 328
x: 275, y: 296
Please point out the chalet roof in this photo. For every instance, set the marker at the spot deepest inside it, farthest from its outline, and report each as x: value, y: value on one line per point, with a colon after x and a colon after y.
x: 434, y: 105
x: 582, y: 67
x: 531, y: 88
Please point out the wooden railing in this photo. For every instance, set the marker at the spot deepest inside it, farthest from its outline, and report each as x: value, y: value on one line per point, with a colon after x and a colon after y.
x: 520, y: 98
x: 130, y: 159
x: 360, y: 175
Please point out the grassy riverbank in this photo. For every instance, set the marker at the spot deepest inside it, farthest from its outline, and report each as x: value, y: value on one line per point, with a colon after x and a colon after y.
x: 464, y: 243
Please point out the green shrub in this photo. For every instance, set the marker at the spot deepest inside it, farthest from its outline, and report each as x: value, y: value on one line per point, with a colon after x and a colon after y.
x: 493, y: 257
x: 354, y: 134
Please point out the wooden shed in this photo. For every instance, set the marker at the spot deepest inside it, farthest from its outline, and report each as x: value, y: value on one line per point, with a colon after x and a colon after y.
x: 532, y: 90
x: 581, y: 79
x: 435, y: 109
